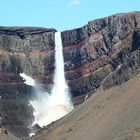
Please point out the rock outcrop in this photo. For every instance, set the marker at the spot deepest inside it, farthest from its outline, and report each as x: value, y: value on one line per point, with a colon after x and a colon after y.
x: 28, y: 50
x: 101, y: 54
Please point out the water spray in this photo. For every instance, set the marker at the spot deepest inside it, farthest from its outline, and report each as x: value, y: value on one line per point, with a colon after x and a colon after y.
x: 51, y: 107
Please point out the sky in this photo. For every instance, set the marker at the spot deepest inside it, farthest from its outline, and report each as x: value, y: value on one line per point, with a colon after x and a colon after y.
x: 60, y: 14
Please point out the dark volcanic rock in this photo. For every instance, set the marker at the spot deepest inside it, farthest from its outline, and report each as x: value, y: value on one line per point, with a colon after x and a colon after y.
x: 101, y: 54
x: 28, y: 50
x: 97, y: 53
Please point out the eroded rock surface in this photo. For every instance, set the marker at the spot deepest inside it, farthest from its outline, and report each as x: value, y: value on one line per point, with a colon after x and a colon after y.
x: 101, y: 54
x: 28, y: 50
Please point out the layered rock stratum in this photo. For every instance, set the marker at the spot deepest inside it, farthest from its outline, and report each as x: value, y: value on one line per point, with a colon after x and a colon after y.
x: 99, y: 55
x: 103, y: 53
x: 29, y: 50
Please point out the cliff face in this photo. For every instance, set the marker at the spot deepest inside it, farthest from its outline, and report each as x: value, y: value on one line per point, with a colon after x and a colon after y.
x: 101, y: 54
x: 28, y: 50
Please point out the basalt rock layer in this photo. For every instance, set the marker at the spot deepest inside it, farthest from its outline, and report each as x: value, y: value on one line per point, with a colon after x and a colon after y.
x: 28, y: 50
x: 101, y: 54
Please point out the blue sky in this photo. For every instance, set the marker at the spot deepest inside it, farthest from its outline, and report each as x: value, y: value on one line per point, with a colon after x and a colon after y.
x: 60, y: 14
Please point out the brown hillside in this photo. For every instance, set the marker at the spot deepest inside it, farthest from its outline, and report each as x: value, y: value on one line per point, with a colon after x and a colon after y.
x: 113, y: 114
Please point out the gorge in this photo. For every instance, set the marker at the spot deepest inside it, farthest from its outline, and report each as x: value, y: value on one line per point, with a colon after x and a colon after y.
x: 48, y: 107
x: 102, y: 54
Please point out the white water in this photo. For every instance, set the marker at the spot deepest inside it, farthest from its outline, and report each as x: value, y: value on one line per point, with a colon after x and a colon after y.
x: 50, y: 107
x: 60, y: 92
x: 28, y: 79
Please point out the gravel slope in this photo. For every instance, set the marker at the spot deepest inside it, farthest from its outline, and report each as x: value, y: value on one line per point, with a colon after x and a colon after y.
x: 113, y: 114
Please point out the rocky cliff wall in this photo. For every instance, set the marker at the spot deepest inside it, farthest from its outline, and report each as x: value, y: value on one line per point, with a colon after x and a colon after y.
x: 28, y: 50
x: 101, y: 54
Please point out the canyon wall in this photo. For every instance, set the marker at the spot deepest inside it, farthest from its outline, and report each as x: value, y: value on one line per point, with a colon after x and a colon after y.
x: 28, y: 50
x: 101, y: 54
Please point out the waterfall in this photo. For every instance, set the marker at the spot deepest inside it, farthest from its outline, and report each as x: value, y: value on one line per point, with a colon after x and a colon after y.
x: 50, y: 107
x: 60, y: 91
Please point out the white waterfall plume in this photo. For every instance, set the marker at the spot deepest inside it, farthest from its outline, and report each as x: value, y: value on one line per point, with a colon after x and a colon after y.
x: 60, y: 92
x: 50, y: 107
